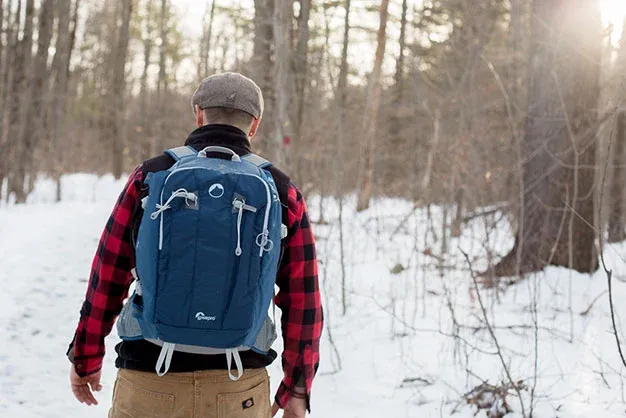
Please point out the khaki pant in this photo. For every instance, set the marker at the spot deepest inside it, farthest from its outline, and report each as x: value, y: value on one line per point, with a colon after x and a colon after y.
x: 206, y: 394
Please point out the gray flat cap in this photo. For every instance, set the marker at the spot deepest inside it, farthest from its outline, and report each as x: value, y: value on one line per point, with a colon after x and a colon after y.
x: 231, y: 90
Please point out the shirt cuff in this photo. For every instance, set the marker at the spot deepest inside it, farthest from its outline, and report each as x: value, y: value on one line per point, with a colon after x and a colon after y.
x: 84, y: 366
x: 284, y: 394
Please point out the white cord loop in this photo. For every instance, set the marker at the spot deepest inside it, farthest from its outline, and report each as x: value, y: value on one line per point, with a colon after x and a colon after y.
x: 190, y: 199
x: 239, y: 205
x: 264, y: 242
x: 165, y: 359
x: 230, y: 355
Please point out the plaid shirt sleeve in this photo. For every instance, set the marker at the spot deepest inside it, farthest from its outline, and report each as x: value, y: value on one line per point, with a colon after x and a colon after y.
x: 300, y: 302
x: 108, y: 283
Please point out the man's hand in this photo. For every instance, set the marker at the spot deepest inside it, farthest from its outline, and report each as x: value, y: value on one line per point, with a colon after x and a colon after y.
x: 295, y: 408
x: 83, y: 387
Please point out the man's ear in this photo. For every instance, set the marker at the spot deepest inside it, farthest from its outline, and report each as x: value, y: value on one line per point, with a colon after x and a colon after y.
x: 199, y: 117
x: 254, y: 127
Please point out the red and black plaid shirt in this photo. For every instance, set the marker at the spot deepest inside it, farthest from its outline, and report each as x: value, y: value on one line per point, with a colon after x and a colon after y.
x: 298, y: 297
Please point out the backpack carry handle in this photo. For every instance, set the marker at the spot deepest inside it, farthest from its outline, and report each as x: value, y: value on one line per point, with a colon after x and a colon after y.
x: 223, y: 150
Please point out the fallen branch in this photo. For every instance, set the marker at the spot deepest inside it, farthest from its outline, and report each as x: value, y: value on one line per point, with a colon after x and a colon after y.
x: 593, y: 302
x: 415, y: 381
x: 471, y: 216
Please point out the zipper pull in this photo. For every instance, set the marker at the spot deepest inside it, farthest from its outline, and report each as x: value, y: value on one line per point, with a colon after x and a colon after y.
x: 239, y: 205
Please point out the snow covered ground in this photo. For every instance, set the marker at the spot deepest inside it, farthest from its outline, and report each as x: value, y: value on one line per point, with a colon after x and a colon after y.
x: 411, y: 343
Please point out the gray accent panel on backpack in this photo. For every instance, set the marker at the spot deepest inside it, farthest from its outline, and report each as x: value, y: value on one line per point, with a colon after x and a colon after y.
x: 127, y: 324
x: 256, y: 160
x: 182, y: 152
x: 128, y: 329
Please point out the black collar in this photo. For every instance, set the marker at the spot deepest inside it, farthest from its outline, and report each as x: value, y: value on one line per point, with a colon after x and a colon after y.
x: 224, y: 135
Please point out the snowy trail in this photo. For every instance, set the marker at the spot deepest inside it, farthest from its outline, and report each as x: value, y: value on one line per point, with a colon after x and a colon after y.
x: 392, y: 331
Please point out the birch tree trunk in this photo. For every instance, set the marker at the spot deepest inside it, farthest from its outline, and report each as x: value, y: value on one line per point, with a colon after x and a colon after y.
x: 119, y: 85
x: 559, y: 145
x: 370, y: 122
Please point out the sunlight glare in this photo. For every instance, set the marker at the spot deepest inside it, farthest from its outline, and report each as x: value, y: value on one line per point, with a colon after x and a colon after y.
x: 613, y: 13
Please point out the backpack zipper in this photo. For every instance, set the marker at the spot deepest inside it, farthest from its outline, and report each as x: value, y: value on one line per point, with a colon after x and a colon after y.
x: 240, y: 205
x: 263, y: 236
x: 161, y: 208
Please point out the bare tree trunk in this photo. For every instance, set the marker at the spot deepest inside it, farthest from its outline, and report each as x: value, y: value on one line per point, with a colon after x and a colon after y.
x: 516, y: 47
x: 162, y: 80
x: 2, y: 60
x: 559, y: 146
x: 4, y: 69
x: 19, y: 119
x: 145, y: 120
x: 371, y: 113
x: 119, y: 85
x: 616, y: 196
x: 617, y: 231
x: 261, y: 70
x: 73, y: 27
x: 283, y: 13
x: 397, y: 116
x: 338, y: 169
x: 37, y: 102
x: 400, y: 65
x: 431, y: 152
x: 145, y: 145
x: 60, y: 69
x: 205, y: 47
x: 342, y: 84
x: 301, y: 64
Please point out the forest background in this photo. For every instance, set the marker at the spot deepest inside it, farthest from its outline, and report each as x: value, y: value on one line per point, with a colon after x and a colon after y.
x: 508, y: 104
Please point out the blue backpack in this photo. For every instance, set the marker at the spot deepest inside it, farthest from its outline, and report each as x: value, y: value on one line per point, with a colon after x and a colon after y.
x: 207, y: 253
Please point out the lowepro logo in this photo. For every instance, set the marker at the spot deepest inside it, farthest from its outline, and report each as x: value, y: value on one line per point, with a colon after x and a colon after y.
x: 200, y: 316
x: 216, y: 191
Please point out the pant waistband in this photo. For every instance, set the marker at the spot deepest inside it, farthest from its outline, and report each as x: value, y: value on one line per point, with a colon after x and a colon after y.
x: 209, y: 376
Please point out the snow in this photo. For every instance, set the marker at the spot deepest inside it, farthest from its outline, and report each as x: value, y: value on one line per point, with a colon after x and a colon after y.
x: 396, y: 344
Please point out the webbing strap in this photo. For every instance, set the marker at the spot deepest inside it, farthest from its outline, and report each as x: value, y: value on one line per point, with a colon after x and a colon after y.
x: 234, y: 354
x: 257, y: 160
x: 181, y: 152
x: 165, y: 359
x: 138, y: 288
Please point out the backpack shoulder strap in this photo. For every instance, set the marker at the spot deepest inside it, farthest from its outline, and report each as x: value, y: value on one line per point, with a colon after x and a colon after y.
x: 180, y: 153
x: 257, y: 160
